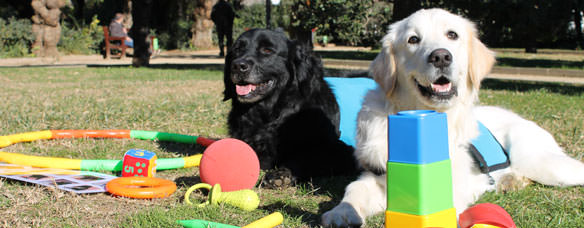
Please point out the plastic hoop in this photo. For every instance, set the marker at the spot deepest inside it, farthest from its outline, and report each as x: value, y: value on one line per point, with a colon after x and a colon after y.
x: 141, y: 187
x: 97, y: 165
x: 7, y: 140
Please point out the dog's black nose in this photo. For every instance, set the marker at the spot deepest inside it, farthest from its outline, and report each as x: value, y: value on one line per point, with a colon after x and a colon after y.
x: 440, y: 58
x: 241, y: 65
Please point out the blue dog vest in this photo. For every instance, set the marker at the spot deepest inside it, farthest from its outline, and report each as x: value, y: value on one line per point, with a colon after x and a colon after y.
x: 488, y: 152
x: 349, y: 92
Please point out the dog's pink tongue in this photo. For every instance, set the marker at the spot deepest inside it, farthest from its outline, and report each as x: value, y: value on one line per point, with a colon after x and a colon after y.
x: 243, y: 90
x: 441, y: 87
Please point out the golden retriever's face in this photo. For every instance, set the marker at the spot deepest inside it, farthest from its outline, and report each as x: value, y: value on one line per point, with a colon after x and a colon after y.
x: 429, y: 59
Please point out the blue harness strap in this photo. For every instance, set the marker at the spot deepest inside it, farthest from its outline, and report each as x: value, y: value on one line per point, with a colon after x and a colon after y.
x: 349, y: 93
x: 488, y: 152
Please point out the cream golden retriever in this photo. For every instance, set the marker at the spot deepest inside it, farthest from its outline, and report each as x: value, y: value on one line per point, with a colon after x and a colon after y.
x: 433, y: 60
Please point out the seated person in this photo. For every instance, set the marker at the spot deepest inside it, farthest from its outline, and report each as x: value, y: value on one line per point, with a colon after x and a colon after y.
x: 117, y: 29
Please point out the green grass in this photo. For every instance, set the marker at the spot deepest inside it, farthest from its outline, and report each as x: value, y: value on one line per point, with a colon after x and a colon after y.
x: 189, y: 101
x: 558, y: 108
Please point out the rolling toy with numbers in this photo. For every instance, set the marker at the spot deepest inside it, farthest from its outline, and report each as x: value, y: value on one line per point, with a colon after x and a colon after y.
x: 139, y: 163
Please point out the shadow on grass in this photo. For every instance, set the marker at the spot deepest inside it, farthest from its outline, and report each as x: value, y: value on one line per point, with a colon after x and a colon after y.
x: 332, y: 186
x: 342, y: 73
x: 215, y: 67
x: 524, y: 86
x: 309, y: 218
x: 501, y: 61
x: 187, y: 181
x: 181, y: 149
x: 312, y: 219
x: 539, y: 63
x: 353, y: 55
x: 177, y: 66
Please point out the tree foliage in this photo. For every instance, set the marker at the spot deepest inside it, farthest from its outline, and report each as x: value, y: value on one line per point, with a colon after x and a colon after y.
x: 517, y: 23
x: 343, y: 21
x: 502, y: 23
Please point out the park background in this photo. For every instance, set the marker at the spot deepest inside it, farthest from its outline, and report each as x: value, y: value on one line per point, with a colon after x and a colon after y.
x: 186, y: 99
x: 184, y: 24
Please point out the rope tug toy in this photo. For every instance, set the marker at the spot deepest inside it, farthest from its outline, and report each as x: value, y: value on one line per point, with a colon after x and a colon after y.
x: 98, y: 165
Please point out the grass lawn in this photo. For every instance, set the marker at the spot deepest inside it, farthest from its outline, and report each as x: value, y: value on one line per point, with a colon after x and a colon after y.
x: 190, y: 102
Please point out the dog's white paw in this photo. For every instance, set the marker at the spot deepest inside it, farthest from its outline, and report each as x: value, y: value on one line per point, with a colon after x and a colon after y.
x: 343, y: 215
x: 512, y: 182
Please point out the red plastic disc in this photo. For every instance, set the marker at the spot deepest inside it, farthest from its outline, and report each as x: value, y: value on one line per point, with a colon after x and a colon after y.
x: 231, y: 163
x: 486, y: 213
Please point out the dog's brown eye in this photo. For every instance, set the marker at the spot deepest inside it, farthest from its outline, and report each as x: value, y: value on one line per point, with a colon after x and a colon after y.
x: 452, y: 35
x: 414, y: 40
x: 266, y: 51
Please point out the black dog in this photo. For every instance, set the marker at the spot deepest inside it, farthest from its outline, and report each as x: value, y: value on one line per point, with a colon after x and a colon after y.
x: 283, y: 108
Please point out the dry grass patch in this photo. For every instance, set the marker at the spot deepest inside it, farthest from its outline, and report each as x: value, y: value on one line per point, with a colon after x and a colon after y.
x: 190, y: 102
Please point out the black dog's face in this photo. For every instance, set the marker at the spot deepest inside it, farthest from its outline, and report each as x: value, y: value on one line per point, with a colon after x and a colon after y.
x: 256, y: 65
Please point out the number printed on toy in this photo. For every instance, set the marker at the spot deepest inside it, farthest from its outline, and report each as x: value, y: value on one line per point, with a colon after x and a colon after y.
x: 128, y: 169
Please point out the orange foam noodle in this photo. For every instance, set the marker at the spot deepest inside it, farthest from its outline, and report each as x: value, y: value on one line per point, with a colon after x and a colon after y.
x: 61, y: 134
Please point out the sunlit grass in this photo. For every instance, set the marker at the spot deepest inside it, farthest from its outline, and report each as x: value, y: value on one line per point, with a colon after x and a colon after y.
x: 190, y: 102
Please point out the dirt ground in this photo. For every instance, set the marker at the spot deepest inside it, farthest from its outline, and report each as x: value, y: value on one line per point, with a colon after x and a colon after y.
x: 177, y: 57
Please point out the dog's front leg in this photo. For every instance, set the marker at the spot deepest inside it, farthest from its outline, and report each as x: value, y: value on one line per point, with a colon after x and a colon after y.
x: 364, y: 197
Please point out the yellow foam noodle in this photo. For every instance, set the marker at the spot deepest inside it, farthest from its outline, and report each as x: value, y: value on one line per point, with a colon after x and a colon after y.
x: 193, y: 161
x: 8, y: 140
x: 42, y: 162
x: 40, y: 171
x: 269, y: 221
x: 445, y: 219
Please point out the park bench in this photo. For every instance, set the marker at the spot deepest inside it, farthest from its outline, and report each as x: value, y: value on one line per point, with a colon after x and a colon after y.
x: 117, y: 43
x: 113, y: 43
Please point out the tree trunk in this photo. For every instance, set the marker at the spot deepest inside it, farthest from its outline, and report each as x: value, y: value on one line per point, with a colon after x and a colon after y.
x: 578, y: 24
x: 403, y: 8
x: 141, y: 12
x: 529, y: 39
x: 203, y: 26
x: 79, y: 7
x: 268, y: 14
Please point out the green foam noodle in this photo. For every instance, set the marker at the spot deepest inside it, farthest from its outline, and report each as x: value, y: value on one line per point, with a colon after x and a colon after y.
x: 163, y: 136
x: 116, y: 165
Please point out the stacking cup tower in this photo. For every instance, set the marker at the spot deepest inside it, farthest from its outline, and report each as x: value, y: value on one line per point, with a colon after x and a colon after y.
x: 419, y: 177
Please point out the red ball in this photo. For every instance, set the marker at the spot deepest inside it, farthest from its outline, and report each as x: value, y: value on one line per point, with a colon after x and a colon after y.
x: 231, y: 163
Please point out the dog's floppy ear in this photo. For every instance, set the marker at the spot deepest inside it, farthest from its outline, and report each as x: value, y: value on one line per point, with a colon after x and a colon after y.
x: 480, y: 61
x: 229, y: 91
x: 305, y: 65
x: 383, y: 66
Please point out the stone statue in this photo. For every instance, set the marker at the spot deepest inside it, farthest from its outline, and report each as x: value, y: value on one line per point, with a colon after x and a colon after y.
x: 46, y: 27
x: 202, y: 27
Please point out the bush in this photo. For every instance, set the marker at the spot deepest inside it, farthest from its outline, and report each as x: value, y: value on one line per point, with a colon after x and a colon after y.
x: 176, y: 36
x: 86, y: 40
x: 16, y: 37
